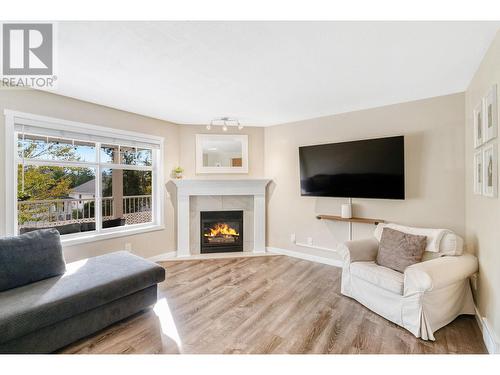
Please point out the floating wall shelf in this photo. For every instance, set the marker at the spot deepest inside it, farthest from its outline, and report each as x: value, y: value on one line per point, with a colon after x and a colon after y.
x: 351, y: 220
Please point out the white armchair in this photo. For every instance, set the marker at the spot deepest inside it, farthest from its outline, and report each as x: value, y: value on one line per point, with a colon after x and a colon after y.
x: 427, y: 296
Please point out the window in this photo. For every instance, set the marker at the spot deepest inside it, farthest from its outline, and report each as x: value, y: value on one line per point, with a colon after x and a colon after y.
x: 86, y: 181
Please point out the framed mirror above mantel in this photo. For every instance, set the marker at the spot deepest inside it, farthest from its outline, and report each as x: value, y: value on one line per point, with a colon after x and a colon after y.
x: 221, y: 153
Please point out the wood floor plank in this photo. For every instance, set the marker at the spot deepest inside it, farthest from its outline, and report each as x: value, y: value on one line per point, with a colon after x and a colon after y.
x: 274, y: 304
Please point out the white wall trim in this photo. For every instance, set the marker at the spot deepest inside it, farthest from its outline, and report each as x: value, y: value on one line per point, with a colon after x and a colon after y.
x: 163, y: 256
x: 173, y: 256
x: 314, y: 247
x: 490, y: 340
x: 305, y: 256
x: 10, y: 176
x: 69, y: 240
x: 62, y: 124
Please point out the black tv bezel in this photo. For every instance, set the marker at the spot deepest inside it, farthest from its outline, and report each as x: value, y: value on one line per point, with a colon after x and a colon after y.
x: 356, y: 197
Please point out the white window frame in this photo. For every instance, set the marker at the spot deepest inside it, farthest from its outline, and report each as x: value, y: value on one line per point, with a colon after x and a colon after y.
x: 11, y: 161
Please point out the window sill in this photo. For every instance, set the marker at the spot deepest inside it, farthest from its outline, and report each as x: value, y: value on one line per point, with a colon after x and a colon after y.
x: 106, y: 235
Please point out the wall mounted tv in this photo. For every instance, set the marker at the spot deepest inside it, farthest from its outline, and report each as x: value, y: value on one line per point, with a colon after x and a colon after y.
x: 371, y: 168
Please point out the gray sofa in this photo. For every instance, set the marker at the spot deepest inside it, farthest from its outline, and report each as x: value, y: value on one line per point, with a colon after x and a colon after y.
x: 46, y: 304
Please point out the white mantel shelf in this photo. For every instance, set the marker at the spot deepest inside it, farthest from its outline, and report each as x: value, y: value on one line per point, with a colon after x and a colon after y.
x: 247, y: 186
x: 186, y: 188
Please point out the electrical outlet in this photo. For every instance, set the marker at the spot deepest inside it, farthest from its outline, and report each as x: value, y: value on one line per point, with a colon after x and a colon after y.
x: 128, y: 247
x: 293, y: 238
x: 309, y: 241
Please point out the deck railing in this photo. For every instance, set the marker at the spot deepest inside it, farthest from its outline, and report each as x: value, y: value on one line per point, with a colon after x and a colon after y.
x: 136, y: 203
x: 52, y: 212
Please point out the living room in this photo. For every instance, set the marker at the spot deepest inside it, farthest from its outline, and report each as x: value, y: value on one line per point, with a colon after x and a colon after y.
x: 249, y: 187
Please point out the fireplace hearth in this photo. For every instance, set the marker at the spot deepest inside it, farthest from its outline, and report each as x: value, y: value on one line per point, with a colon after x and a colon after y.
x: 221, y: 231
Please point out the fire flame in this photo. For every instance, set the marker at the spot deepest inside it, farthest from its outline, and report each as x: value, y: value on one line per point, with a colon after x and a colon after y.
x: 221, y: 230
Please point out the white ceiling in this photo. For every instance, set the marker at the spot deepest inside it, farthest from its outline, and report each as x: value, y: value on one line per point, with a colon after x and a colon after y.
x: 265, y: 73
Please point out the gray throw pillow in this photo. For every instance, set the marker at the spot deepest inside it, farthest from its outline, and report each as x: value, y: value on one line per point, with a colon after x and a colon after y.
x: 398, y: 250
x: 30, y: 257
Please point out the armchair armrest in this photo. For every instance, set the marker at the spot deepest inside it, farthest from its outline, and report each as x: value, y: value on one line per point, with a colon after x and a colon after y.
x: 359, y: 250
x: 437, y: 273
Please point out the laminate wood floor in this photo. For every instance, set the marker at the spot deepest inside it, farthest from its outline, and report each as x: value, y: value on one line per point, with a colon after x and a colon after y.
x: 273, y: 304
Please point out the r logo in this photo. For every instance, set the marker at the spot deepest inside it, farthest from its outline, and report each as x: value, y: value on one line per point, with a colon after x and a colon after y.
x: 27, y: 49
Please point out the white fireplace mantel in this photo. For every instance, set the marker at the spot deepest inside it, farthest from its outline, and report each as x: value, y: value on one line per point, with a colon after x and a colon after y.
x: 186, y: 188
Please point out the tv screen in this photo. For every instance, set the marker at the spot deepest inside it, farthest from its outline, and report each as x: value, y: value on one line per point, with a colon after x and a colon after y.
x: 372, y: 168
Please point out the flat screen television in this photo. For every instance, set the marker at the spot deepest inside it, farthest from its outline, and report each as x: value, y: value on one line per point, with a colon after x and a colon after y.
x: 371, y: 168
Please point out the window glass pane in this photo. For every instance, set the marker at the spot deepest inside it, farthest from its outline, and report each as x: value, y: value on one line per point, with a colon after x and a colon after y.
x: 144, y: 157
x: 109, y: 154
x: 59, y: 197
x: 57, y: 149
x: 126, y: 197
x: 126, y: 155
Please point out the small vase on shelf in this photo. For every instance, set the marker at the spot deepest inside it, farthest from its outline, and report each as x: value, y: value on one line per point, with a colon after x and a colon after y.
x: 346, y: 211
x: 177, y: 172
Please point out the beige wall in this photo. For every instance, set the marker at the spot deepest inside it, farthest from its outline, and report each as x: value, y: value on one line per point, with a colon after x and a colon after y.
x: 187, y: 146
x: 482, y: 215
x: 434, y: 158
x: 46, y: 104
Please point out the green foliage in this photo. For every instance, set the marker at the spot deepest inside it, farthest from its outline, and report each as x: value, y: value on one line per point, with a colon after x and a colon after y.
x: 49, y: 182
x: 46, y: 182
x: 137, y: 183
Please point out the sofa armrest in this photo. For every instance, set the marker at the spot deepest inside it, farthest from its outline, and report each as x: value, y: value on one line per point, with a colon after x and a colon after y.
x: 437, y: 273
x: 359, y: 250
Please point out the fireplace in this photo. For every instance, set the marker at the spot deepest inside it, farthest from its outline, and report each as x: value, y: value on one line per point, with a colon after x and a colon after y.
x: 221, y: 231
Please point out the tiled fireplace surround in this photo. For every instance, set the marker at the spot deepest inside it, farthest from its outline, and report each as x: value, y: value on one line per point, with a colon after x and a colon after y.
x: 195, y: 195
x: 199, y: 203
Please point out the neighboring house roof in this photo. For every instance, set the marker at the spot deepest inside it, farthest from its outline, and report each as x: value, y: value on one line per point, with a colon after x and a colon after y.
x: 85, y: 188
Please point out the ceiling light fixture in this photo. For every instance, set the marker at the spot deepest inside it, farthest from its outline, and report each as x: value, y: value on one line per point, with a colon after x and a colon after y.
x: 225, y: 122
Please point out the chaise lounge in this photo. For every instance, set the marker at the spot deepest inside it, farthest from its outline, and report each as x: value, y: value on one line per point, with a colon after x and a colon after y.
x: 46, y: 304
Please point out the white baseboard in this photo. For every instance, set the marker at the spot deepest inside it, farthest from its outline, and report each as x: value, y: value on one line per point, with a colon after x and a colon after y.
x: 305, y: 256
x: 163, y: 256
x: 173, y: 256
x: 314, y: 247
x: 490, y: 341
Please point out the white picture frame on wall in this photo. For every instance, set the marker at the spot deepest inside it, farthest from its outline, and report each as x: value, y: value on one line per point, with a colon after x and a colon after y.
x: 490, y: 115
x: 478, y: 125
x: 490, y: 173
x: 478, y: 173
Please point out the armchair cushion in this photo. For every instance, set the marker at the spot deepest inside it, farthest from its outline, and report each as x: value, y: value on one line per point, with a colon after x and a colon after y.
x: 382, y: 277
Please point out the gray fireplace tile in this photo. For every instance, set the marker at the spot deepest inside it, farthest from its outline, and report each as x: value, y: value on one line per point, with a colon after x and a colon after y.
x: 242, y: 202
